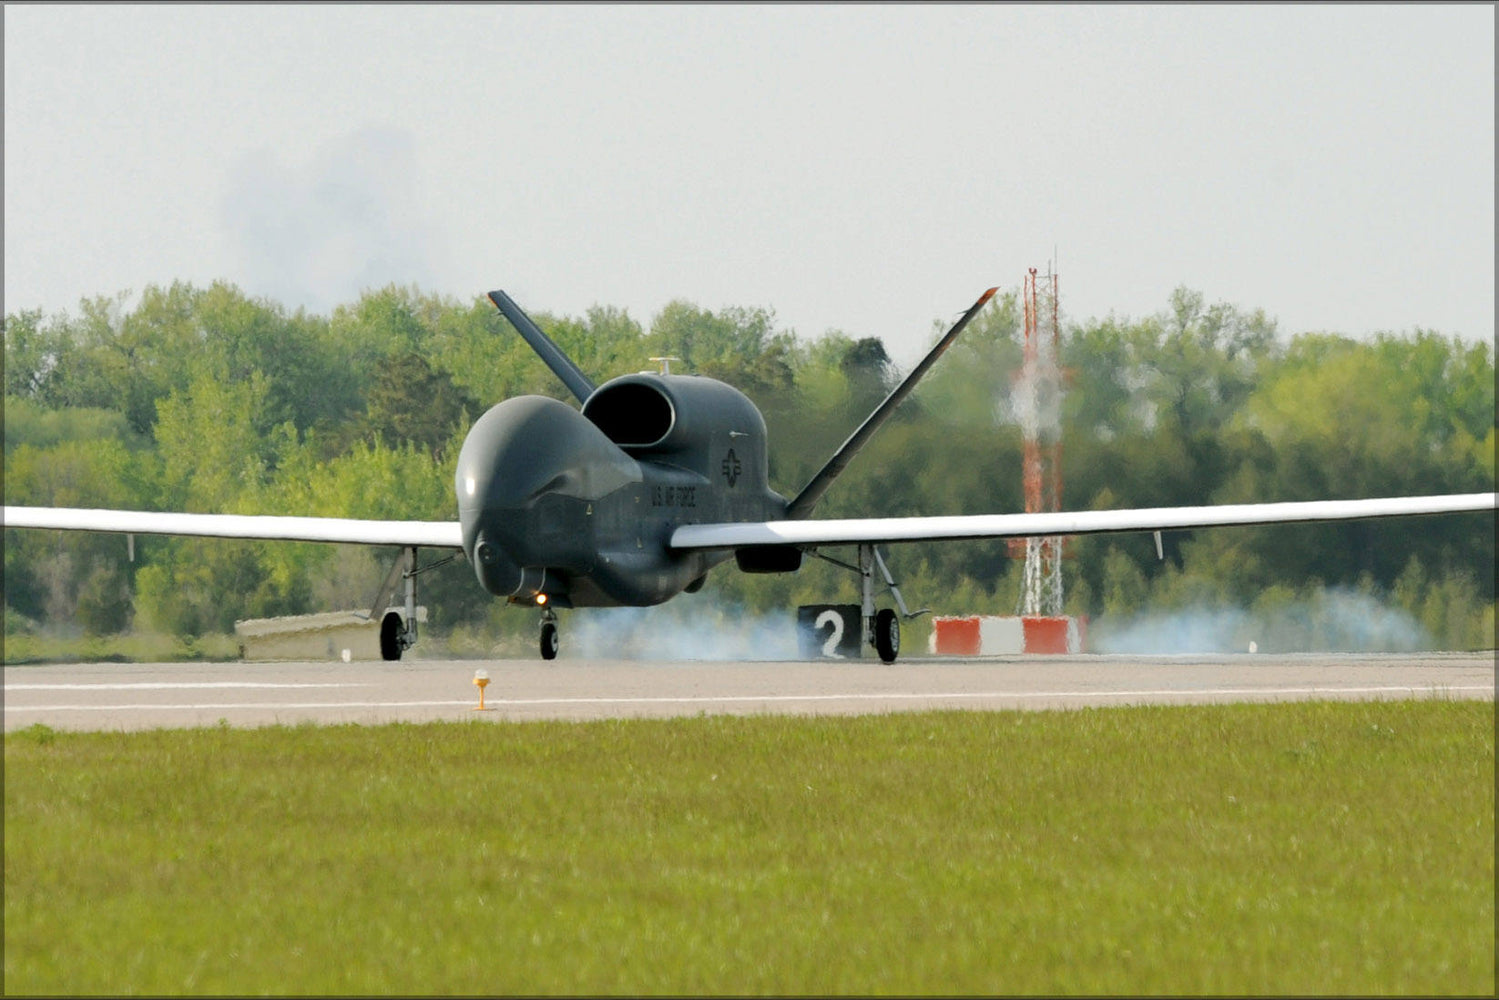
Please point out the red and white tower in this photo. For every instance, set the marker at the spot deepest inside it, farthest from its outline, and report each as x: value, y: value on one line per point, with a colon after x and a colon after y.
x: 1038, y: 404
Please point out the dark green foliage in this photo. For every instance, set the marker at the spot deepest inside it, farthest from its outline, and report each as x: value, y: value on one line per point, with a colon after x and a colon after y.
x: 409, y: 402
x: 205, y: 399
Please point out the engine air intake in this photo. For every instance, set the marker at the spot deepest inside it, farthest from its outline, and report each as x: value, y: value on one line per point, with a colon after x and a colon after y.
x: 631, y: 414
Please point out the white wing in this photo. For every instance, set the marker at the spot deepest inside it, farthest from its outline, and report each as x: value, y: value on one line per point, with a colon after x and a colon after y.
x: 914, y: 529
x: 448, y: 534
x: 427, y: 534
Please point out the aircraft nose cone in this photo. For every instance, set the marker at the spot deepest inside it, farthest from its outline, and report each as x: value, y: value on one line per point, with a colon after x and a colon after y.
x: 531, y: 443
x: 525, y: 466
x: 509, y: 453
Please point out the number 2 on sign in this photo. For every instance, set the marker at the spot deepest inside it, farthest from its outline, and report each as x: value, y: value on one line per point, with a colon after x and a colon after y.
x: 834, y: 619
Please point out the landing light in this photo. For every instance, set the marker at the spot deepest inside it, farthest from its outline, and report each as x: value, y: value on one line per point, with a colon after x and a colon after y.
x: 541, y: 599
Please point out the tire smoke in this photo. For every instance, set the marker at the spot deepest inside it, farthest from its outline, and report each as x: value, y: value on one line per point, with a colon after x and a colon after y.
x: 682, y: 630
x: 1332, y: 621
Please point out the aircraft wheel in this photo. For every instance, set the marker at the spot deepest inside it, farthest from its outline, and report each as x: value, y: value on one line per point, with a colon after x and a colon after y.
x: 390, y: 636
x: 887, y: 635
x: 549, y: 642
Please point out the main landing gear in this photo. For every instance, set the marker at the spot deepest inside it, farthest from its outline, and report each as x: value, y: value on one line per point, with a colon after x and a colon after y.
x: 398, y: 632
x: 881, y: 629
x: 886, y: 637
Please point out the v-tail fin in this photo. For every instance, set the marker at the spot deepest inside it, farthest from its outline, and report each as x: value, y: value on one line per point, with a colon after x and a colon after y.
x: 561, y: 365
x: 818, y: 485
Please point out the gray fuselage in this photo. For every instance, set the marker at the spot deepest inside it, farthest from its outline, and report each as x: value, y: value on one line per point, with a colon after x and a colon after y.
x: 580, y: 506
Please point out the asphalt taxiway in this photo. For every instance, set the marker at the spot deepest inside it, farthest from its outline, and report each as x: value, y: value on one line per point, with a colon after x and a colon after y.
x: 116, y: 696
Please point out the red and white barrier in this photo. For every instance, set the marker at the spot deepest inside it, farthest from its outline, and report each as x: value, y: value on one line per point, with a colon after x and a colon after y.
x: 995, y: 635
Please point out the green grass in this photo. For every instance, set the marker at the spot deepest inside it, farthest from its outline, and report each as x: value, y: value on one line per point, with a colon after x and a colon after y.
x: 23, y: 648
x: 131, y: 647
x: 1302, y: 848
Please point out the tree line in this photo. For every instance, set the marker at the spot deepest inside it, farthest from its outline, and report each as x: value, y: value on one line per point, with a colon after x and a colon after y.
x: 206, y: 399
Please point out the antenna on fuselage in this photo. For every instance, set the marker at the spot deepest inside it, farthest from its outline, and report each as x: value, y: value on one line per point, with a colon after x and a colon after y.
x: 666, y: 363
x: 817, y: 486
x: 560, y: 364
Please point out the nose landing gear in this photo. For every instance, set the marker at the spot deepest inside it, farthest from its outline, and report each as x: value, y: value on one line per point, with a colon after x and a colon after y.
x: 549, y: 640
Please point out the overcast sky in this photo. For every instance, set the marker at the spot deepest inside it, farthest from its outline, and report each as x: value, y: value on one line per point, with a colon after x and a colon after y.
x: 865, y: 168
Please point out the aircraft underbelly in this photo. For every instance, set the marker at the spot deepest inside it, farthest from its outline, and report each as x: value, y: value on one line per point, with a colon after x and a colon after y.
x: 638, y: 578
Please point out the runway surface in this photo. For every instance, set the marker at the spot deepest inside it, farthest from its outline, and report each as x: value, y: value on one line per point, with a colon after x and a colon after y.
x: 115, y: 696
